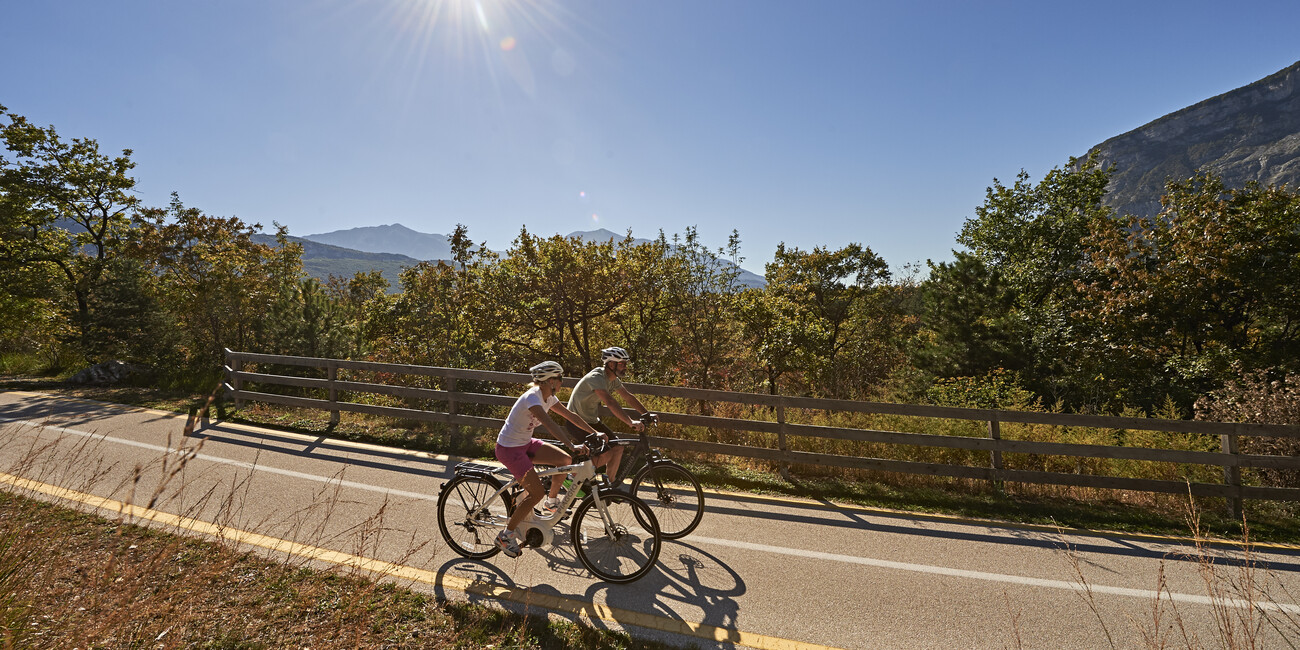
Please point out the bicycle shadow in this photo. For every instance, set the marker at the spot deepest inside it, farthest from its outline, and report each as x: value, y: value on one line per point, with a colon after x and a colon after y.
x: 685, y: 576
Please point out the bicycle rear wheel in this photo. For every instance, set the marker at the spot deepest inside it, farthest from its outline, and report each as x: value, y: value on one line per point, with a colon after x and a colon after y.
x: 470, y: 514
x: 673, y: 494
x: 623, y: 552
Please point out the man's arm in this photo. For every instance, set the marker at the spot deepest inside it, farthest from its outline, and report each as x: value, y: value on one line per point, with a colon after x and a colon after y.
x: 631, y: 399
x: 617, y: 409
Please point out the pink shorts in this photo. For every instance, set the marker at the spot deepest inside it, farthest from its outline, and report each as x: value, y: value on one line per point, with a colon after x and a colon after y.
x: 519, y: 459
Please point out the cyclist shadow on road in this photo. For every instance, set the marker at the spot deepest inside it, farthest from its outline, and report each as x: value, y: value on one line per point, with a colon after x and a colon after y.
x: 688, y: 585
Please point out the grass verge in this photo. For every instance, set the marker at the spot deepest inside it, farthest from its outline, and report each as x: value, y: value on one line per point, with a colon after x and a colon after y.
x: 70, y: 579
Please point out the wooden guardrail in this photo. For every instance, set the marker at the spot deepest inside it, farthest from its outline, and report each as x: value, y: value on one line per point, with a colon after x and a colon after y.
x: 1228, y: 457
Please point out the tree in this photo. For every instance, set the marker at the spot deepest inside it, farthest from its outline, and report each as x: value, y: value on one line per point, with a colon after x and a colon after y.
x: 218, y: 283
x: 704, y: 299
x: 826, y: 294
x: 1209, y: 284
x: 555, y: 296
x: 1032, y: 237
x: 63, y: 206
x: 971, y: 323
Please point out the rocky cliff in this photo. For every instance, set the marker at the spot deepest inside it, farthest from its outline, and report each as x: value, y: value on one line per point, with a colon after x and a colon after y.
x: 1251, y: 133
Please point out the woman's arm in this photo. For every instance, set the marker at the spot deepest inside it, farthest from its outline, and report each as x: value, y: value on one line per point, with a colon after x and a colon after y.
x: 554, y: 429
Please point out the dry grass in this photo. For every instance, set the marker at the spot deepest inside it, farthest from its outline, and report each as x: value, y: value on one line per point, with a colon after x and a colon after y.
x: 83, y: 581
x: 1242, y: 595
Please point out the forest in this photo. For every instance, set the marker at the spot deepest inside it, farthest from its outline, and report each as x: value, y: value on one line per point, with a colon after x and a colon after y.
x: 1052, y: 300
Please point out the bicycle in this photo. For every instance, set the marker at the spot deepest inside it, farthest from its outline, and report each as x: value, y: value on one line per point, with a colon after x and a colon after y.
x: 622, y: 546
x: 672, y: 491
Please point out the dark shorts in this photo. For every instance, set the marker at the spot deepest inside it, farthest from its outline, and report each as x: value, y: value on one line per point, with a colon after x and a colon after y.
x: 580, y: 435
x: 519, y: 459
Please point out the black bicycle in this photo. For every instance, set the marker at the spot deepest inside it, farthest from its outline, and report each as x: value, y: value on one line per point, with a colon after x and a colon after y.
x: 672, y: 491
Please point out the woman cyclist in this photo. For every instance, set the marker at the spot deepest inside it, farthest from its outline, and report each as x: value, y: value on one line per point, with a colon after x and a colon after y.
x: 518, y: 450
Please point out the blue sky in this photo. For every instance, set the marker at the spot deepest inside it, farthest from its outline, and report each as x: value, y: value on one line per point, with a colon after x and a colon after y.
x: 814, y: 123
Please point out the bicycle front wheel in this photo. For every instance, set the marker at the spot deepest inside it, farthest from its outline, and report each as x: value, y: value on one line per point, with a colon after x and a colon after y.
x: 627, y: 548
x: 673, y: 494
x: 471, y: 513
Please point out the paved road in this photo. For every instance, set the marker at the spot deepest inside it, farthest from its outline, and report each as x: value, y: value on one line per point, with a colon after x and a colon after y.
x: 760, y: 572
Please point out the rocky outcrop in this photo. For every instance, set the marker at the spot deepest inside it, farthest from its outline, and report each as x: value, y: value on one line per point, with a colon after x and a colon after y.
x: 108, y: 372
x: 1251, y: 133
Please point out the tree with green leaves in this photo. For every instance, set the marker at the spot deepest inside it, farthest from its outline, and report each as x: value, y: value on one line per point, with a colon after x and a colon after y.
x: 64, y: 213
x: 971, y: 323
x: 218, y: 283
x: 1032, y: 236
x: 702, y: 291
x: 827, y: 295
x: 555, y: 295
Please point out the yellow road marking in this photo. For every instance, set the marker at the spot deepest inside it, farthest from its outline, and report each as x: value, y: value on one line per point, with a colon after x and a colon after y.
x: 514, y: 594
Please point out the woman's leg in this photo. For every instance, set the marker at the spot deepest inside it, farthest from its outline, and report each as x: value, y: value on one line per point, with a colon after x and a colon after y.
x: 532, y: 496
x: 549, y: 454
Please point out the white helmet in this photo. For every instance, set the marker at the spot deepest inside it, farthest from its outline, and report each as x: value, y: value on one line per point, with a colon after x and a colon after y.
x: 546, y: 370
x: 613, y: 354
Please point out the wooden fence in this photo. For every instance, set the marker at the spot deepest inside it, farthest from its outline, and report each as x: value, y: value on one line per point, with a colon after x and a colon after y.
x: 1228, y: 457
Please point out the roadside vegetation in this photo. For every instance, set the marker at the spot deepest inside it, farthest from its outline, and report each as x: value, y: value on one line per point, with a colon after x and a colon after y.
x: 74, y: 580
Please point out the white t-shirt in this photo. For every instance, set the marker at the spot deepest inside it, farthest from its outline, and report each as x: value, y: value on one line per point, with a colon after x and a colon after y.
x: 518, y: 429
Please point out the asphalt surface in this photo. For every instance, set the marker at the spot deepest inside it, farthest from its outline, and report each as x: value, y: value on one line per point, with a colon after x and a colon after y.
x: 758, y: 572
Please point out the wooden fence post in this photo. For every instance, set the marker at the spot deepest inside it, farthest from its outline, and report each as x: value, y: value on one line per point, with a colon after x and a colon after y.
x: 332, y: 375
x: 1232, y: 471
x: 453, y: 409
x: 781, y: 442
x: 995, y: 434
x: 237, y: 365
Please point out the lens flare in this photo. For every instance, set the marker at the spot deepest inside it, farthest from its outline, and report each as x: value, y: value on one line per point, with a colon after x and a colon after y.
x: 595, y: 217
x: 508, y: 43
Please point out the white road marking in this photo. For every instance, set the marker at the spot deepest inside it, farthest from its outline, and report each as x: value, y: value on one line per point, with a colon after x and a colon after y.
x: 1001, y: 577
x: 331, y: 480
x: 765, y: 548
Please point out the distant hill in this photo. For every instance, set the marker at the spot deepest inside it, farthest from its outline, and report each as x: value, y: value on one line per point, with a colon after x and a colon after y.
x: 393, y: 238
x: 390, y: 248
x: 323, y: 260
x: 1251, y: 133
x: 745, y: 279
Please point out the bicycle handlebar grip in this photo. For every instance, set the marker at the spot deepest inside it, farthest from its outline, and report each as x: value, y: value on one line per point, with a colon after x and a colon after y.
x: 595, y: 444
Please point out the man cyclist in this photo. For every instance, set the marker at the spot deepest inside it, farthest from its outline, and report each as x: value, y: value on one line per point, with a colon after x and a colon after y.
x: 599, y: 387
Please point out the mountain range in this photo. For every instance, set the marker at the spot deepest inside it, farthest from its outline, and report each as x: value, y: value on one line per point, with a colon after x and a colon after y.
x: 1248, y: 134
x: 391, y: 248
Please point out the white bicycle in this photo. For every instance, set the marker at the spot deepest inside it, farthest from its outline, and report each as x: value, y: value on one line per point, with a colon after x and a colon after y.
x: 615, y: 535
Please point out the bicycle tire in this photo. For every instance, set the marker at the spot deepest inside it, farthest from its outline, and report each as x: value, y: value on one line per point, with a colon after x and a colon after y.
x: 674, y: 496
x: 468, y: 523
x: 630, y: 551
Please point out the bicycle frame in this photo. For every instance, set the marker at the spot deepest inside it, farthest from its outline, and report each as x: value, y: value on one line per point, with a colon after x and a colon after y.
x: 584, y: 474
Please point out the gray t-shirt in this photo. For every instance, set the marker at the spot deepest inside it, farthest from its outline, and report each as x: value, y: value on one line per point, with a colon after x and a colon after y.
x: 584, y: 401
